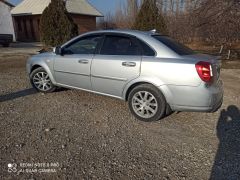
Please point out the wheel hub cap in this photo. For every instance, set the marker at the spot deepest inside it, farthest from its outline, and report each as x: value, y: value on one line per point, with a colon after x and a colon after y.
x: 42, y: 81
x: 144, y: 104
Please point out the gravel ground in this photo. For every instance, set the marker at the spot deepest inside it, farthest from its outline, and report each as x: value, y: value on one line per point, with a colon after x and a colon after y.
x: 87, y: 136
x: 21, y: 49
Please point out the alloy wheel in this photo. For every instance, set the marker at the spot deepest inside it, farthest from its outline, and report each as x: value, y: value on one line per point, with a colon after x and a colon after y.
x: 144, y: 104
x: 42, y: 81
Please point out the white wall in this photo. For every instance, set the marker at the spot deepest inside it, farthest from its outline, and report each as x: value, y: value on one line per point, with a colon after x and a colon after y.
x: 6, y: 22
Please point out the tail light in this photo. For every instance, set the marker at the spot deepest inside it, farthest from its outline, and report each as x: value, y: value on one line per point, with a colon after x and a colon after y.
x: 204, y: 70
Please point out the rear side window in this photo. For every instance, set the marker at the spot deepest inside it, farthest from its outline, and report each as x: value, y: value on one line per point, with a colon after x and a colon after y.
x: 146, y: 50
x: 174, y: 45
x: 119, y: 45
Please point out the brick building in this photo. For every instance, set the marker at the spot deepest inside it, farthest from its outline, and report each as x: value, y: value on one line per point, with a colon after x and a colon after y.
x: 27, y: 14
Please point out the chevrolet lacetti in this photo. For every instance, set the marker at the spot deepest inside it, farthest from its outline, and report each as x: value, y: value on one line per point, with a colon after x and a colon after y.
x: 154, y: 73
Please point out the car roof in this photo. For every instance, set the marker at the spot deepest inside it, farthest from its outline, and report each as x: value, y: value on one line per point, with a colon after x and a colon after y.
x: 145, y: 36
x: 126, y: 31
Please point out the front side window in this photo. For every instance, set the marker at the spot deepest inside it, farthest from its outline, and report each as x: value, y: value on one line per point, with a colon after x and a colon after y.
x: 85, y: 45
x: 174, y: 45
x: 119, y: 45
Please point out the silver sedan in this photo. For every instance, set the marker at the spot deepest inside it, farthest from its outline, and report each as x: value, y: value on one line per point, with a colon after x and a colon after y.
x: 154, y: 73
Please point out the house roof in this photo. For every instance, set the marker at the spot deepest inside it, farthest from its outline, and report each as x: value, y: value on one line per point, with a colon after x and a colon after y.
x: 34, y: 7
x: 7, y: 3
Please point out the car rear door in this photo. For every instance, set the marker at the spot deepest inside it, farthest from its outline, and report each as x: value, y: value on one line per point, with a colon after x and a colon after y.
x: 118, y: 62
x: 73, y: 67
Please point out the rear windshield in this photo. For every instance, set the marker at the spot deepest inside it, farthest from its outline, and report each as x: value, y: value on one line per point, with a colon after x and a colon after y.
x: 174, y: 45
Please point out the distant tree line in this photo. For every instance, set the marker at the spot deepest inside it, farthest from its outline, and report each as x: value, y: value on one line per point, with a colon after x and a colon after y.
x: 188, y: 21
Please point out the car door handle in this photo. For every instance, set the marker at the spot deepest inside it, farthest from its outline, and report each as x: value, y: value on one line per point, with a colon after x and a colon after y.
x: 129, y: 64
x: 83, y: 61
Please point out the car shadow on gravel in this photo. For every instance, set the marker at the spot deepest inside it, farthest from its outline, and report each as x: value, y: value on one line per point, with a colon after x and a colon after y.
x: 18, y: 94
x: 227, y: 159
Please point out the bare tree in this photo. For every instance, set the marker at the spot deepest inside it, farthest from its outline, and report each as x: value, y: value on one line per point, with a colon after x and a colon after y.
x: 126, y: 13
x: 215, y: 21
x: 202, y: 20
x: 218, y: 20
x: 106, y: 22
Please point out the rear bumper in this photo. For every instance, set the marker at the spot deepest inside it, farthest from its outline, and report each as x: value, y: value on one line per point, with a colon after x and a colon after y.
x: 212, y: 108
x: 198, y: 99
x: 216, y: 106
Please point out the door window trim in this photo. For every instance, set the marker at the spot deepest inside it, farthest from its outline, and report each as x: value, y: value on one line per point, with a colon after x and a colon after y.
x: 84, y: 37
x: 131, y: 37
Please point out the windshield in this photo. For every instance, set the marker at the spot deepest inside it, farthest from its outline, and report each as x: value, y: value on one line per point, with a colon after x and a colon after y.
x: 174, y: 45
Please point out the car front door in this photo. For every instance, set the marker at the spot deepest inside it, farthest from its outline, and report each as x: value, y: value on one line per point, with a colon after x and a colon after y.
x: 72, y: 68
x: 117, y: 62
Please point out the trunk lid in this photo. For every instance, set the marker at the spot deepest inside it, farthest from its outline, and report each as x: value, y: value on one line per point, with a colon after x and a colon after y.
x: 214, y: 60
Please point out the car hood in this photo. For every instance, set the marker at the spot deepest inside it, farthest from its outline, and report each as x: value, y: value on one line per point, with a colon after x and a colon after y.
x: 46, y: 54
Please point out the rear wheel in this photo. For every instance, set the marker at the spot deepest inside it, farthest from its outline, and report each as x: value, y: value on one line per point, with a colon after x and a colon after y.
x: 41, y: 81
x: 147, y: 103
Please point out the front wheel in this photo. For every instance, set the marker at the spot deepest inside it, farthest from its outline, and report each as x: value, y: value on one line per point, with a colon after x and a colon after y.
x: 147, y: 103
x: 41, y: 81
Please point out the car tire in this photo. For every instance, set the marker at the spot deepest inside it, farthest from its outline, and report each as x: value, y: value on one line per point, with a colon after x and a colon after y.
x: 41, y: 81
x: 147, y: 103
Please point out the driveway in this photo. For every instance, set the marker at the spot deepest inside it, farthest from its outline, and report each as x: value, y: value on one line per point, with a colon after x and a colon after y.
x: 20, y: 48
x: 87, y: 136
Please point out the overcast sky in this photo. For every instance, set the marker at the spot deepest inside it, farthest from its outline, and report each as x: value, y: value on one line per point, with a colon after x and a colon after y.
x: 103, y: 6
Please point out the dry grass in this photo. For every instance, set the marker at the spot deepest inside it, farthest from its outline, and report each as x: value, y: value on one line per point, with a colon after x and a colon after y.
x: 232, y: 63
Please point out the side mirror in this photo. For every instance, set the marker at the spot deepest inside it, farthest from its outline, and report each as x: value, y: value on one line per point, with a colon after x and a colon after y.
x: 58, y: 50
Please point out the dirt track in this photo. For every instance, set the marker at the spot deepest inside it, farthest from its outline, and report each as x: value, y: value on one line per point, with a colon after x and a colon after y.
x: 95, y: 137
